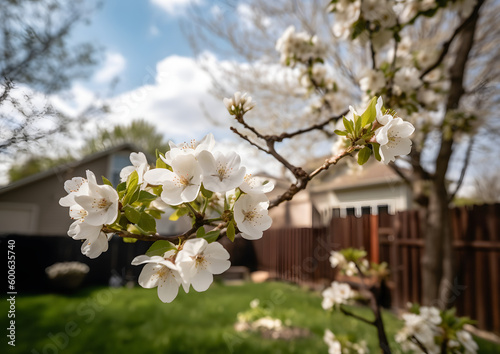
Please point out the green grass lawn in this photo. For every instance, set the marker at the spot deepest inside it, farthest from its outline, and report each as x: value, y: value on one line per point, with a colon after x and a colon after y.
x: 102, y: 320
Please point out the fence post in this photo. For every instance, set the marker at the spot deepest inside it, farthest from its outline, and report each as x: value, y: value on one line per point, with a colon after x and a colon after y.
x: 374, y: 239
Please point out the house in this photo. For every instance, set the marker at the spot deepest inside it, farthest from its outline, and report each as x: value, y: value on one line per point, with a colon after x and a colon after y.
x: 344, y: 189
x: 31, y: 206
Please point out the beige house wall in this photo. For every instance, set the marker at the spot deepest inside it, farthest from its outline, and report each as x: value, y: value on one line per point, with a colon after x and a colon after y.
x: 42, y: 197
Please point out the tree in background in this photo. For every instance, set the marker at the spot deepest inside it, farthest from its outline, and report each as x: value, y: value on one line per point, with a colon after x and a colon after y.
x: 139, y: 133
x: 434, y: 61
x: 36, y: 56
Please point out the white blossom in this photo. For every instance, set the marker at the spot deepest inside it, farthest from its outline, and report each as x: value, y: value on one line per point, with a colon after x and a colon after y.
x: 94, y: 248
x: 221, y: 171
x: 382, y: 117
x: 373, y: 80
x: 75, y: 186
x: 180, y: 185
x: 139, y: 164
x: 431, y: 314
x: 198, y: 260
x: 256, y: 185
x: 467, y: 341
x: 350, y: 269
x: 95, y: 241
x: 192, y: 148
x: 347, y: 13
x: 160, y: 272
x: 239, y: 103
x: 407, y: 79
x: 101, y: 202
x: 334, y: 346
x: 337, y: 259
x: 250, y: 214
x: 337, y: 293
x: 394, y: 139
x: 299, y: 47
x: 380, y: 11
x: 424, y: 331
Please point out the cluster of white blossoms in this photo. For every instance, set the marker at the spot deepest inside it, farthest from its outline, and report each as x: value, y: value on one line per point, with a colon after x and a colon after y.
x: 337, y: 259
x: 193, y: 166
x: 192, y: 263
x: 193, y: 178
x: 299, y: 47
x: 91, y: 206
x: 336, y: 294
x: 423, y: 329
x: 336, y: 347
x: 390, y: 132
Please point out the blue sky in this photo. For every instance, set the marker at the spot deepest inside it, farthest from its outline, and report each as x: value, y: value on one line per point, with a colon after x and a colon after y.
x: 142, y: 32
x: 160, y: 79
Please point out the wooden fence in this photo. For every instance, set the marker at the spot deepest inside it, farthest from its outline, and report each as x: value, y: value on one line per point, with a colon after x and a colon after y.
x: 301, y: 256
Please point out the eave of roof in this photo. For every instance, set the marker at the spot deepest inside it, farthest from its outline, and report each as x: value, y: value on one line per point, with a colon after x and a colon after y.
x: 70, y: 165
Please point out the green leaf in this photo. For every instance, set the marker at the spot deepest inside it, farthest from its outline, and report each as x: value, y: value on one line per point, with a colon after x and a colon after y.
x: 357, y: 125
x: 106, y: 181
x: 121, y: 187
x: 370, y: 114
x: 133, y: 229
x: 178, y: 213
x: 212, y: 236
x: 132, y: 188
x: 206, y: 193
x: 340, y: 132
x: 364, y: 155
x: 132, y: 214
x: 132, y: 180
x: 123, y: 222
x: 159, y: 248
x: 156, y: 189
x: 147, y: 223
x: 129, y: 239
x: 146, y: 197
x: 131, y: 196
x: 376, y: 151
x: 200, y: 232
x: 231, y: 232
x: 358, y: 28
x: 155, y: 213
x: 160, y: 163
x: 349, y: 125
x: 158, y: 153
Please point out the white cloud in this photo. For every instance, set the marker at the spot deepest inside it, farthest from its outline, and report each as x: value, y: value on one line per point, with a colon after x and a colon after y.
x: 75, y: 101
x: 249, y: 17
x: 171, y: 98
x: 174, y: 7
x: 114, y: 65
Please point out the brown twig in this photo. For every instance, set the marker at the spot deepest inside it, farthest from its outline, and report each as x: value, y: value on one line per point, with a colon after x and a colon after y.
x: 352, y: 314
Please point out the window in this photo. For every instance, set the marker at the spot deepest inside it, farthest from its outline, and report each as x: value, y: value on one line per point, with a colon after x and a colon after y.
x: 118, y: 161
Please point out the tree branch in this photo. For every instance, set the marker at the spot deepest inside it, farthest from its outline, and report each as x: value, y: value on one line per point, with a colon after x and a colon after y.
x: 400, y: 173
x: 318, y: 126
x: 349, y: 313
x: 468, y: 154
x: 447, y: 44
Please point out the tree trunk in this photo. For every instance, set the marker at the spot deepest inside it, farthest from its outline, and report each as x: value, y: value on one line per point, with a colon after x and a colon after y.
x: 438, y: 261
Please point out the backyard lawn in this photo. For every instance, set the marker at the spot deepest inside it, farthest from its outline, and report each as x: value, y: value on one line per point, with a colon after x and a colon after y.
x: 103, y: 320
